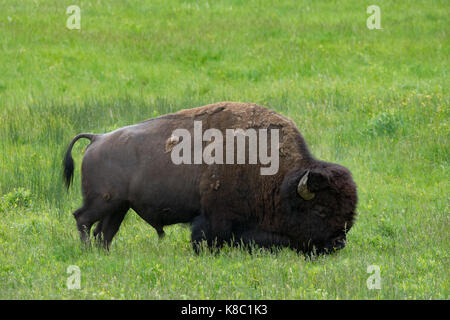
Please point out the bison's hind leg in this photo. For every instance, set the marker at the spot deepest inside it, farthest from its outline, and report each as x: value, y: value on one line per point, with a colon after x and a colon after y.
x: 109, y: 213
x: 98, y: 230
x: 109, y: 226
x: 85, y: 218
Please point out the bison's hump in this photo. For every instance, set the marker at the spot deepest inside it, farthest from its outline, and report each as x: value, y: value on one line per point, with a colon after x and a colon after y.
x: 249, y: 115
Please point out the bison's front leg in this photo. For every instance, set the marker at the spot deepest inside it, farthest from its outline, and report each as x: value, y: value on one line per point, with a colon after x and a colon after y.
x: 214, y: 233
x: 263, y: 239
x: 200, y: 233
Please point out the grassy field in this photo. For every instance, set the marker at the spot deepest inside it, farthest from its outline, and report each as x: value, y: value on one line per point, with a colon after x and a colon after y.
x: 376, y: 101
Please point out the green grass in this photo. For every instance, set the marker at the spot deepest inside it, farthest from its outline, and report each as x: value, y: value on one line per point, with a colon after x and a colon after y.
x: 375, y: 101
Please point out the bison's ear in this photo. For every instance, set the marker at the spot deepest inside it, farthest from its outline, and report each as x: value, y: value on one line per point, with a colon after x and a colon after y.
x: 310, y: 182
x: 318, y: 180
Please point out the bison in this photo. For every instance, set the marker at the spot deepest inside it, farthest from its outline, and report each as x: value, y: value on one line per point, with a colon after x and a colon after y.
x: 305, y: 204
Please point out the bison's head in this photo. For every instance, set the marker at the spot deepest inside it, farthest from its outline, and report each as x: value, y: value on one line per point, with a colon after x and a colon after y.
x: 319, y: 204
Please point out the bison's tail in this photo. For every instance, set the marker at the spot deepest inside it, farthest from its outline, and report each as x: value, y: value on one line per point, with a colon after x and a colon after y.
x: 68, y: 160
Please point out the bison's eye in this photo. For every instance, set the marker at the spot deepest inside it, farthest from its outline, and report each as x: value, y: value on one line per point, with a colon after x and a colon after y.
x: 320, y: 214
x: 320, y: 211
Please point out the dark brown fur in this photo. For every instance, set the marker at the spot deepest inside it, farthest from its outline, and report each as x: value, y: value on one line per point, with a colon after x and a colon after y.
x: 131, y: 168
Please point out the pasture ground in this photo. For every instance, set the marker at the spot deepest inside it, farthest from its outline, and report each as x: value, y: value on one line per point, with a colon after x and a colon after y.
x: 376, y: 101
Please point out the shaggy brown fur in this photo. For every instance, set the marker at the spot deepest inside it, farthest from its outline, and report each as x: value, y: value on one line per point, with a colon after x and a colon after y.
x: 131, y: 168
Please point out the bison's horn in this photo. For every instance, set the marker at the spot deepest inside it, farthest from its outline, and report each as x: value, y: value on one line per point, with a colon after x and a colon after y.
x: 302, y: 188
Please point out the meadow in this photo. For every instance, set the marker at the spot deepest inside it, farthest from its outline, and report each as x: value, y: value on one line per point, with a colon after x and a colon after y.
x: 375, y: 101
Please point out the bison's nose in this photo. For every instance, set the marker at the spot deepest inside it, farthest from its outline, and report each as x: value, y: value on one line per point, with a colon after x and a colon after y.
x: 339, y: 243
